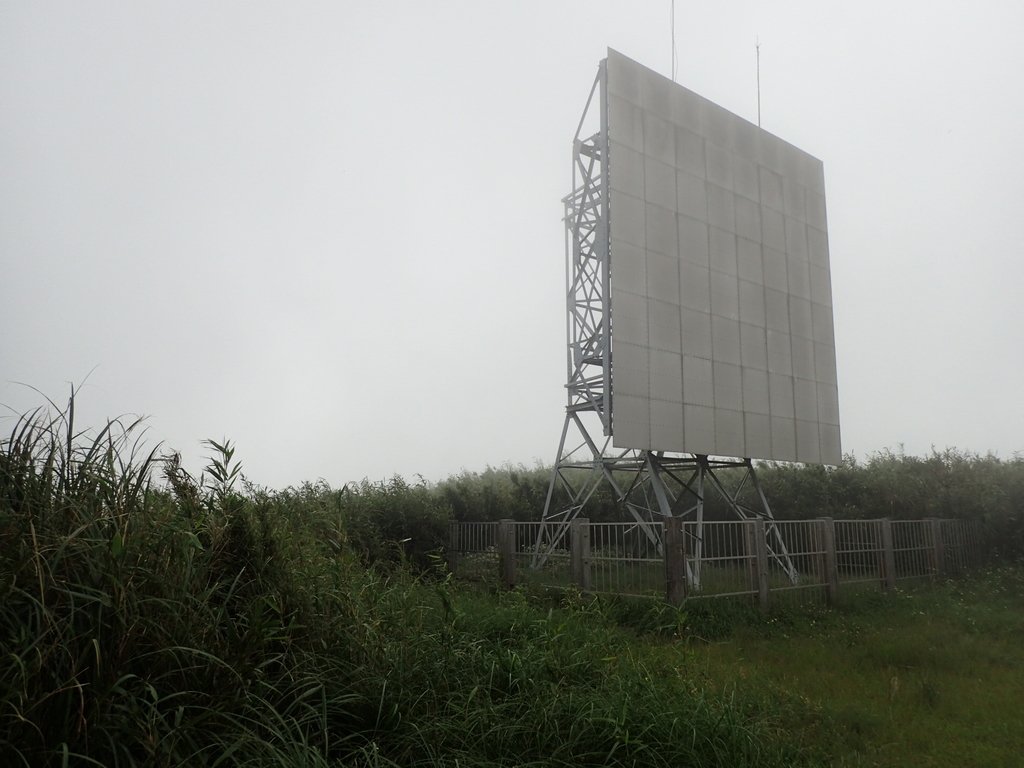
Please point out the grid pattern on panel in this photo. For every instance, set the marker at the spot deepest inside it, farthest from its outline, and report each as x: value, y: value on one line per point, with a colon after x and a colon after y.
x: 722, y: 337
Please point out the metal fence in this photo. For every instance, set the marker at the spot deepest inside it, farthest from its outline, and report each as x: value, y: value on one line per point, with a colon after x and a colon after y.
x: 767, y: 560
x: 474, y: 547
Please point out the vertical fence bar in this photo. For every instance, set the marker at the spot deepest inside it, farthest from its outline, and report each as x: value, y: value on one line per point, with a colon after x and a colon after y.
x: 507, y: 552
x: 675, y: 561
x: 937, y: 550
x: 579, y: 543
x: 888, y: 555
x: 827, y: 532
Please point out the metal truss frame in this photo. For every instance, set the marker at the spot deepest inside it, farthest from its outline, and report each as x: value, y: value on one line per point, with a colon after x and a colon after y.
x: 650, y: 484
x: 587, y: 277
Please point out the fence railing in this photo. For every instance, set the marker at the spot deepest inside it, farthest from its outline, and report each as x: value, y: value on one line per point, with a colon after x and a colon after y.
x: 679, y: 560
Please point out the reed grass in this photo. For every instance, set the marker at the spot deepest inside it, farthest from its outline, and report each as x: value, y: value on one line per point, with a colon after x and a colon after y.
x: 149, y: 617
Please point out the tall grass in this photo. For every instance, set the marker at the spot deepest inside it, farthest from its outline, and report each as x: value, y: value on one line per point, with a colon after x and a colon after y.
x: 947, y: 484
x: 142, y: 626
x: 151, y: 617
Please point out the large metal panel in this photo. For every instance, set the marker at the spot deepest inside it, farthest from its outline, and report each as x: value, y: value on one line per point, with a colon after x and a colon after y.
x: 721, y: 298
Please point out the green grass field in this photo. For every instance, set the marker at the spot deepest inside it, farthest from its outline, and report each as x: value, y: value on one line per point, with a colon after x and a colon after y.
x: 929, y: 677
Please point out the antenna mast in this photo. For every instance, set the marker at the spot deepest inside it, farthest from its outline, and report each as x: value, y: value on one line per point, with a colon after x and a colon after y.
x: 757, y: 48
x: 672, y: 22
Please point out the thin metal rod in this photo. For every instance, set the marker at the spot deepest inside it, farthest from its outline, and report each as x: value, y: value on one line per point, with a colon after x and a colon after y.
x: 603, y: 247
x: 551, y: 485
x: 672, y: 21
x: 583, y: 117
x: 757, y: 47
x: 702, y: 462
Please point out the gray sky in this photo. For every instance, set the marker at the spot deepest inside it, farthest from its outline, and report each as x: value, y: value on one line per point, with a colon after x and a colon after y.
x: 331, y: 231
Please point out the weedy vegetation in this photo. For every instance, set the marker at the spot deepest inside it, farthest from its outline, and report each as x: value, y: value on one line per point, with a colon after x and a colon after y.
x: 149, y: 617
x: 152, y: 617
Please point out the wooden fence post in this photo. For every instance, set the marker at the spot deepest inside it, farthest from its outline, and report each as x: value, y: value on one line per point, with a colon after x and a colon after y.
x: 452, y: 552
x: 675, y: 561
x: 938, y: 553
x: 579, y: 543
x: 974, y: 539
x: 953, y: 556
x: 756, y: 536
x: 828, y: 539
x: 888, y: 555
x: 507, y: 552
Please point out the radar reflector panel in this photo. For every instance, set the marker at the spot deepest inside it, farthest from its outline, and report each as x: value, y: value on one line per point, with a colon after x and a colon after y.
x: 722, y: 338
